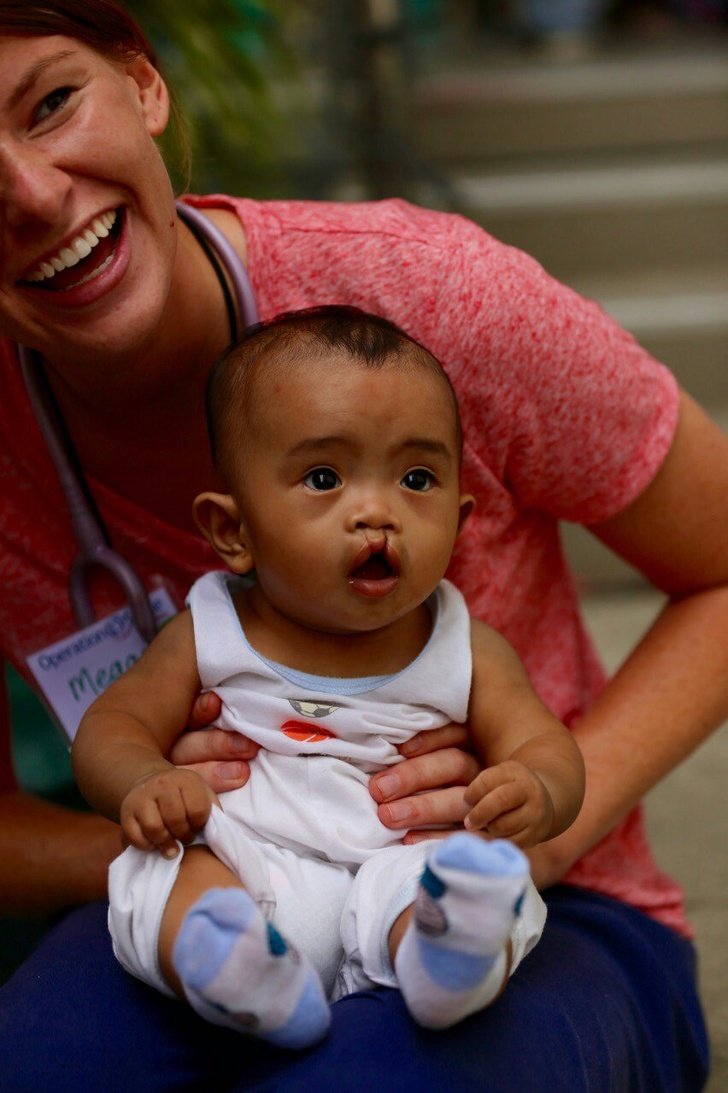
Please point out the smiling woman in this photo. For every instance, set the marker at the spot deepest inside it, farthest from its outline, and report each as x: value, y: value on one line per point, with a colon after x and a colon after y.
x: 61, y: 182
x: 564, y: 417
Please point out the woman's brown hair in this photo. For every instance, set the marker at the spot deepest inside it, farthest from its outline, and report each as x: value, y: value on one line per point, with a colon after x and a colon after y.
x: 103, y: 25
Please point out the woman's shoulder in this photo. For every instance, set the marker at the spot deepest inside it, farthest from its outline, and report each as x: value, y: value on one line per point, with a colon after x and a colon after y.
x: 390, y: 218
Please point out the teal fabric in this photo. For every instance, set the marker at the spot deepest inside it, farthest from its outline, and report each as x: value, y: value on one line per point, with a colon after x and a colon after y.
x: 43, y: 767
x: 40, y: 754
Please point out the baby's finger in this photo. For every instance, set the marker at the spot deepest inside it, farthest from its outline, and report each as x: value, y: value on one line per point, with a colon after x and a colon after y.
x: 169, y: 849
x: 174, y: 816
x: 134, y: 836
x: 499, y: 801
x: 152, y: 825
x: 514, y: 825
x: 197, y: 810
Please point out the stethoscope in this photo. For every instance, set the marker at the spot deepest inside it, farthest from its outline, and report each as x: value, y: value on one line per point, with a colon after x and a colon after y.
x: 92, y: 538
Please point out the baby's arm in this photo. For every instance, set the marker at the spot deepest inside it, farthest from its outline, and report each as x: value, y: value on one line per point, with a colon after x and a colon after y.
x: 533, y: 784
x: 118, y: 754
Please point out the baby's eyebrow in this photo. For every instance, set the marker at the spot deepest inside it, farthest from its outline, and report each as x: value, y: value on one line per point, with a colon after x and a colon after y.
x: 426, y: 444
x: 316, y: 444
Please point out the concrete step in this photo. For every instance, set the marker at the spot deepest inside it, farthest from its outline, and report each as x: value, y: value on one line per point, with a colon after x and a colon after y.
x: 613, y: 173
x: 583, y: 220
x: 516, y: 109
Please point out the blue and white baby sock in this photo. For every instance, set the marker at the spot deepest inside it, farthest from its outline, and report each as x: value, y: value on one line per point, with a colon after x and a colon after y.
x: 237, y: 971
x: 452, y: 959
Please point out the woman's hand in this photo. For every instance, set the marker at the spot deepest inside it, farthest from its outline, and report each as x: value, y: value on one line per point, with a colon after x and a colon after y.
x: 222, y: 759
x: 427, y: 788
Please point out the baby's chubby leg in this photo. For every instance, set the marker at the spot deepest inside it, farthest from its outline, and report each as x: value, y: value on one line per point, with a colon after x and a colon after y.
x: 217, y: 950
x: 450, y: 951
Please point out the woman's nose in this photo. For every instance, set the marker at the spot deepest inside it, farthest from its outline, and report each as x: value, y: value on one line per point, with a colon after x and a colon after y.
x: 32, y: 189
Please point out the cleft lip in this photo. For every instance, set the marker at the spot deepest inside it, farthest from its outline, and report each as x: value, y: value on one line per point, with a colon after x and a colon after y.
x: 372, y: 548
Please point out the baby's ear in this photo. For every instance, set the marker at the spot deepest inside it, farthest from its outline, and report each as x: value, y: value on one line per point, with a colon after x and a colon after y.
x: 218, y: 518
x: 467, y: 504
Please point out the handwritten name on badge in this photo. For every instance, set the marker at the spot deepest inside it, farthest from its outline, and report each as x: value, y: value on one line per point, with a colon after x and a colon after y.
x: 72, y: 672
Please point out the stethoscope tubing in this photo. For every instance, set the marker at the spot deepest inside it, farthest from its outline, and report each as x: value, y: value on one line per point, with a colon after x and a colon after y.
x: 94, y: 548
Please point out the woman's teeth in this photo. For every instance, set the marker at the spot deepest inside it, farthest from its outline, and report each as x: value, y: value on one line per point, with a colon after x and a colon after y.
x: 79, y: 248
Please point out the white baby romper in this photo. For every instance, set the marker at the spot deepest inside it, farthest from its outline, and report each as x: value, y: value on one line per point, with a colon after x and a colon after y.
x: 303, y: 834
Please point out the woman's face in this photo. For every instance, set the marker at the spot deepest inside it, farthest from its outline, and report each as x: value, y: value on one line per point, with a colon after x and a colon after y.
x: 87, y: 237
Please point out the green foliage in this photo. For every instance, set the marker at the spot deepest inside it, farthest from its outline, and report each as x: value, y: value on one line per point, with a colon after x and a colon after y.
x: 226, y: 61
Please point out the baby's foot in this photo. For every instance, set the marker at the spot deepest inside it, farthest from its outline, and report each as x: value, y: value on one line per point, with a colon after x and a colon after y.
x: 237, y: 971
x: 452, y: 959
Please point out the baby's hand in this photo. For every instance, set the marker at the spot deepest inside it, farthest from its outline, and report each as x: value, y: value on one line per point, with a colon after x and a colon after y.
x: 169, y: 805
x: 509, y: 801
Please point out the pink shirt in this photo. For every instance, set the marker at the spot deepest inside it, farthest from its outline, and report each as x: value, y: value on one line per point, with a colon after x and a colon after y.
x: 565, y: 417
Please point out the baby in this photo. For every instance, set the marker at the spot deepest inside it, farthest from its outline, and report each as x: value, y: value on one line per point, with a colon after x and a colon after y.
x: 331, y: 639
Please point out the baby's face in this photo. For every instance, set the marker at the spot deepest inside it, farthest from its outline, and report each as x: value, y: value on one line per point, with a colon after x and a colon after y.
x: 349, y: 490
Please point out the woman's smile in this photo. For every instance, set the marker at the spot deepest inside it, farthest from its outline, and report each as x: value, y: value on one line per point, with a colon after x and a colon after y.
x: 86, y: 268
x: 77, y: 253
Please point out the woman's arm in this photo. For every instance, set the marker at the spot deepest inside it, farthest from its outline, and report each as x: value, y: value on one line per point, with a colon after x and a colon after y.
x: 51, y: 857
x: 672, y: 691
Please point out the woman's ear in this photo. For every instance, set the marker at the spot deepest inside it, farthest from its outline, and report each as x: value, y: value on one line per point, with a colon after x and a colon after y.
x: 152, y: 93
x: 218, y: 518
x: 467, y: 504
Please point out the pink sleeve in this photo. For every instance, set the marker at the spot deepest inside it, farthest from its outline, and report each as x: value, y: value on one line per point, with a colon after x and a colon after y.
x: 576, y: 416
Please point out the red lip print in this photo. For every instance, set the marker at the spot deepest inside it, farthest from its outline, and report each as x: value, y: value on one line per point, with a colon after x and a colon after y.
x: 305, y: 733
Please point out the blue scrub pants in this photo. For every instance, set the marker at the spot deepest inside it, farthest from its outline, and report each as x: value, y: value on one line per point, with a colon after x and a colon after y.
x: 606, y: 1003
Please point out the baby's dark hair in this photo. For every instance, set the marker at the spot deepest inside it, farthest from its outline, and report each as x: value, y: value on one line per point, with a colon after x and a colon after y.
x: 368, y: 339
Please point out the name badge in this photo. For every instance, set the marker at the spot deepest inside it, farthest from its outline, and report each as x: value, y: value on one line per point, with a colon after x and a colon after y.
x: 72, y: 672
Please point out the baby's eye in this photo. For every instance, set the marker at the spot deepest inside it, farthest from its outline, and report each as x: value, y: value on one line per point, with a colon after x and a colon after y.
x: 321, y: 479
x: 418, y: 480
x: 52, y: 102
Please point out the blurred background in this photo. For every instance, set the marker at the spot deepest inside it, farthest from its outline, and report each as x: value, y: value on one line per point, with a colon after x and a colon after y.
x: 591, y: 133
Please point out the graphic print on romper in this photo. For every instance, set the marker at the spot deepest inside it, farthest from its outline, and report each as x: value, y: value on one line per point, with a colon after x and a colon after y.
x: 301, y: 731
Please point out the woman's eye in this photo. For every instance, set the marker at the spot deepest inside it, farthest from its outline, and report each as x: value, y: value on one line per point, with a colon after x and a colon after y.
x: 321, y: 479
x: 418, y: 480
x: 52, y: 102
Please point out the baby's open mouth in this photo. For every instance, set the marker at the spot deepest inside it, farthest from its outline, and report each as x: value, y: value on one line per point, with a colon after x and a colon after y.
x: 85, y: 257
x: 375, y: 568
